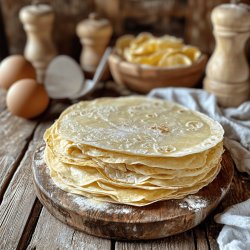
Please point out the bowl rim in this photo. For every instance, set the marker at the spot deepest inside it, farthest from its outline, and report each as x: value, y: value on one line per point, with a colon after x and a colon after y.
x: 116, y: 58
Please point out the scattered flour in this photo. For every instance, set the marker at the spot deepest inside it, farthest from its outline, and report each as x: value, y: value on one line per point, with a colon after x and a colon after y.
x: 193, y: 203
x: 90, y: 203
x: 99, y: 206
x: 39, y: 160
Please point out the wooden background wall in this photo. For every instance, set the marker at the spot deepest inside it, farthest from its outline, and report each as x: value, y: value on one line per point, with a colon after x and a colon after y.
x: 68, y: 14
x: 189, y: 19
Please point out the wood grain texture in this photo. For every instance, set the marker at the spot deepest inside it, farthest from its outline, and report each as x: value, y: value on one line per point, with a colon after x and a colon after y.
x: 125, y: 222
x: 2, y: 99
x: 14, y: 133
x: 200, y: 237
x: 19, y: 198
x: 176, y: 242
x: 68, y: 14
x: 50, y: 233
x: 30, y: 225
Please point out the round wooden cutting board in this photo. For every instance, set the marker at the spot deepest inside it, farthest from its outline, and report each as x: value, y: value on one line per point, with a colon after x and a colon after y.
x: 125, y: 222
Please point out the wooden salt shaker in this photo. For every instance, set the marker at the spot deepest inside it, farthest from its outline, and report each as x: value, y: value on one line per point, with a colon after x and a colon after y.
x: 38, y: 21
x: 94, y: 34
x: 227, y: 72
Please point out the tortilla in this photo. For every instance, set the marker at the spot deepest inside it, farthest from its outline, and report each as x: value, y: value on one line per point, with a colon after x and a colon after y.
x: 133, y: 150
x: 139, y: 126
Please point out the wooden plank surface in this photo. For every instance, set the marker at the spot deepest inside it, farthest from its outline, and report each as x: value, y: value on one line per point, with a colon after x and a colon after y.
x: 2, y: 99
x: 14, y: 133
x: 19, y: 198
x: 50, y: 233
x: 177, y: 242
x: 200, y: 237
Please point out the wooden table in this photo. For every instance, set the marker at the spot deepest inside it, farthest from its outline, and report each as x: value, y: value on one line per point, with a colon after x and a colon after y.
x: 25, y: 223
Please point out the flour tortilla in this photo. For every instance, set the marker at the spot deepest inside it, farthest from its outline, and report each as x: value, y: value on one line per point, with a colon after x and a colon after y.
x: 70, y: 152
x: 139, y: 126
x: 92, y: 184
x: 85, y: 175
x: 133, y: 150
x: 200, y: 163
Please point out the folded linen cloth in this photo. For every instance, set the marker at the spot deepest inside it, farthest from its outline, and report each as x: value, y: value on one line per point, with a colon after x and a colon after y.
x: 235, y: 235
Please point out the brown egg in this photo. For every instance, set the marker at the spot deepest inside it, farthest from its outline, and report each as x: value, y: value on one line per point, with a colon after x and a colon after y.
x: 27, y: 98
x: 14, y: 68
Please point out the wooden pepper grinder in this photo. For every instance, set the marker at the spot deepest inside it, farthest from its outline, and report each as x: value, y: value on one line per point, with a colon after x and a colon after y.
x: 227, y: 72
x: 38, y: 21
x: 94, y: 34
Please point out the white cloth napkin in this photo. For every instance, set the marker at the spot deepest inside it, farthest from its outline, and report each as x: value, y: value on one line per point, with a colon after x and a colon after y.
x: 235, y: 235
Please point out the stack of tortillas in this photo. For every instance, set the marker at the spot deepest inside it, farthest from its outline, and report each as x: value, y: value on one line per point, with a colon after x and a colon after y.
x: 133, y: 150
